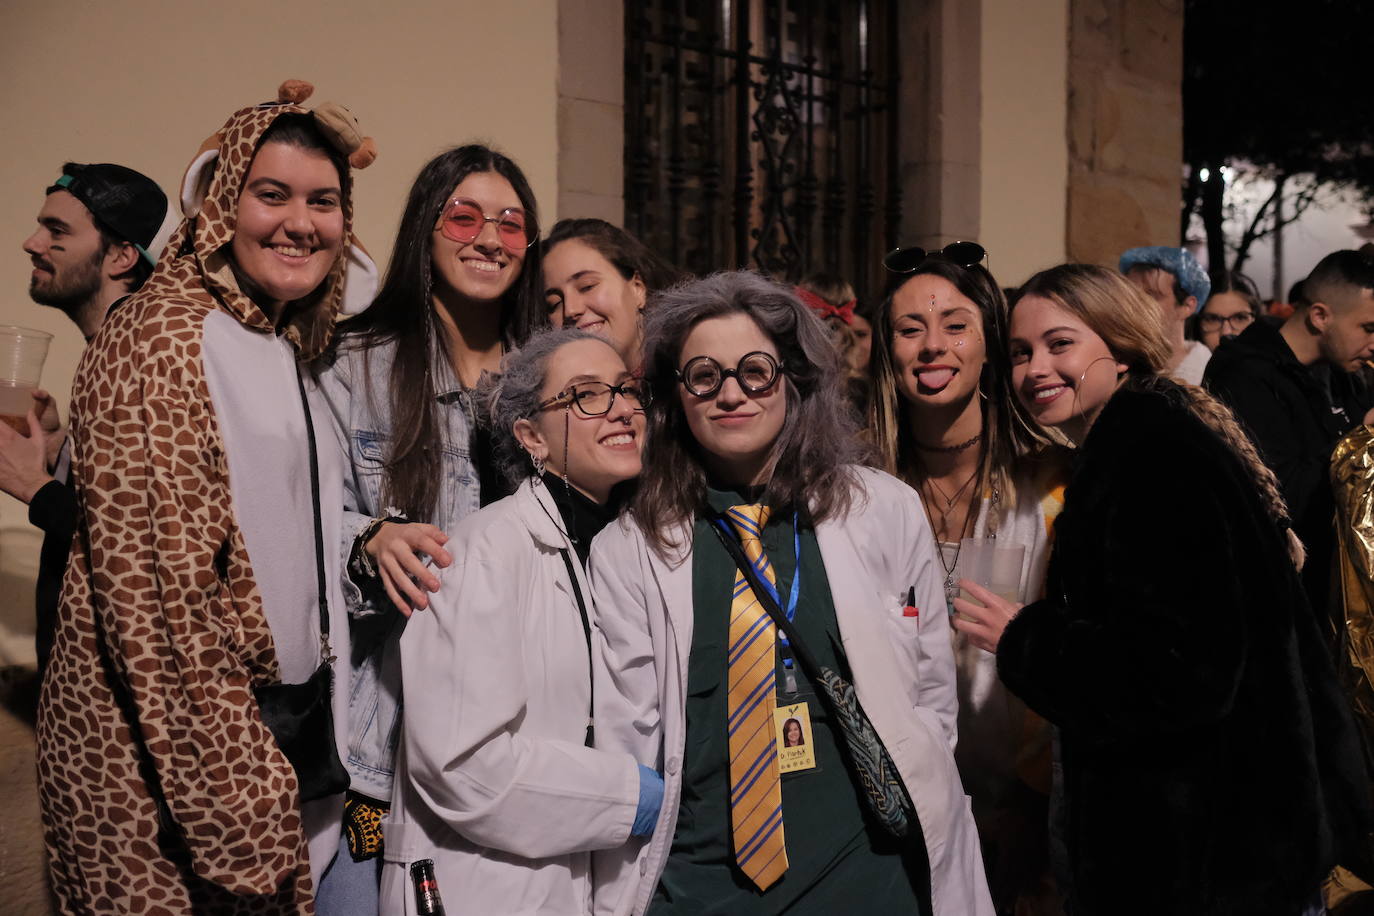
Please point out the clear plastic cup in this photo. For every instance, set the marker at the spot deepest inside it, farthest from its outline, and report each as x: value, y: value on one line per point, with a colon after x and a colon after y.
x: 993, y: 564
x: 22, y: 351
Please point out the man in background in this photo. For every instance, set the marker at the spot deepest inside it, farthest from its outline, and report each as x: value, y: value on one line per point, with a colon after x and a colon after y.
x: 1179, y: 286
x: 1296, y: 390
x: 90, y: 250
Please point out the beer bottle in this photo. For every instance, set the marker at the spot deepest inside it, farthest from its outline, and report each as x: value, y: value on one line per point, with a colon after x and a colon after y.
x: 427, y: 900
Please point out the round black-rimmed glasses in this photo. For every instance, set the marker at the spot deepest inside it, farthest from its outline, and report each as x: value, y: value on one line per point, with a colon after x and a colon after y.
x: 756, y: 372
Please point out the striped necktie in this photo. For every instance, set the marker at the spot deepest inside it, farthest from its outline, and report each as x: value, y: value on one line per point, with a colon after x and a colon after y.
x: 755, y: 789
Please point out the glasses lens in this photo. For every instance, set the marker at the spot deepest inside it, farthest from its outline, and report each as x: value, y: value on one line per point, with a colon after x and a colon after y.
x: 462, y: 221
x: 757, y: 371
x: 637, y: 393
x: 965, y: 254
x: 1242, y: 320
x: 701, y: 376
x: 1209, y: 321
x: 514, y: 230
x: 904, y: 260
x: 593, y: 398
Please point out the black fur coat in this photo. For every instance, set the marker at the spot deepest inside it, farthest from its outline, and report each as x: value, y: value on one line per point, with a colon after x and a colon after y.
x: 1210, y: 764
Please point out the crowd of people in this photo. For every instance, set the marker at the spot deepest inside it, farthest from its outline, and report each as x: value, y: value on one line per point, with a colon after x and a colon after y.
x: 537, y: 576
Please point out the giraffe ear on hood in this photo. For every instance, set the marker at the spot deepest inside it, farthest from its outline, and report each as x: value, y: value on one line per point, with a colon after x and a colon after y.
x: 341, y: 127
x: 195, y: 184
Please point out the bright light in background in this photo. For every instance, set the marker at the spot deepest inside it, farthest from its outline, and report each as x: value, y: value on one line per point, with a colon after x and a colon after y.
x: 1204, y: 174
x: 1228, y: 174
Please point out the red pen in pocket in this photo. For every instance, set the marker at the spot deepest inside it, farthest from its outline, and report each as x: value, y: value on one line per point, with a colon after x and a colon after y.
x: 911, y: 610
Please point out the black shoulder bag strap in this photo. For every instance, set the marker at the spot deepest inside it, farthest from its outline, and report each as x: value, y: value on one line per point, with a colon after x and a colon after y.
x: 587, y: 634
x: 326, y: 652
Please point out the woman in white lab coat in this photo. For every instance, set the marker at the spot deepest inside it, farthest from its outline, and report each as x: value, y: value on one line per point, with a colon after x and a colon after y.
x: 500, y: 787
x: 749, y: 410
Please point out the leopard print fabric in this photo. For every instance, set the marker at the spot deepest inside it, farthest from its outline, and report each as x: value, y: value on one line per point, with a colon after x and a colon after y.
x: 162, y: 790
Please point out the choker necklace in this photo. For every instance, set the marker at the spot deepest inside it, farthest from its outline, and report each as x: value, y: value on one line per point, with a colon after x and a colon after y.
x: 949, y: 448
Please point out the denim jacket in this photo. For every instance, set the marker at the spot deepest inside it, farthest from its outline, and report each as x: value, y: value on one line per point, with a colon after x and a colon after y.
x: 357, y: 387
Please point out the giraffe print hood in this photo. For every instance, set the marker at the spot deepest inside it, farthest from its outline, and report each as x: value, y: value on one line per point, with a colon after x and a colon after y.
x: 197, y: 262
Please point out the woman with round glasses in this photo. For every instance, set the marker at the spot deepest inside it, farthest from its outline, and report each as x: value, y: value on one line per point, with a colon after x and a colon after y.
x: 500, y: 785
x: 462, y: 287
x: 751, y: 444
x: 944, y: 422
x: 598, y: 277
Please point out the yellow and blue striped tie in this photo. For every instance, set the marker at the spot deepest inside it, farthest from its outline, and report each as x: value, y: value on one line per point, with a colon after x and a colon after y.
x: 755, y: 789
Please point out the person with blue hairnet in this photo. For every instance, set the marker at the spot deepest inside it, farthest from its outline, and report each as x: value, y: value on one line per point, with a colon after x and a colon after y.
x: 1175, y: 280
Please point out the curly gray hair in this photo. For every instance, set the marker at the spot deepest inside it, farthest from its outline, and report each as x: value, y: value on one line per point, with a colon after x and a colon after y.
x: 515, y: 394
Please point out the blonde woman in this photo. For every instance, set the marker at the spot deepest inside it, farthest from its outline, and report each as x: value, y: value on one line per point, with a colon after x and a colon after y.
x: 1209, y: 761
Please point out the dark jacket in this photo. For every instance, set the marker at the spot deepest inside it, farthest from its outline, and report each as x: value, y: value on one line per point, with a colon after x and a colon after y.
x: 52, y: 510
x: 1295, y: 418
x: 1210, y: 764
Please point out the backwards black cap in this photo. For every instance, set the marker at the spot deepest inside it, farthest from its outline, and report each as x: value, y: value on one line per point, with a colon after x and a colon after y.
x: 127, y: 203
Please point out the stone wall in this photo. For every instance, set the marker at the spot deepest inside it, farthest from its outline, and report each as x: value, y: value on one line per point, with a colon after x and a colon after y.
x: 1125, y: 126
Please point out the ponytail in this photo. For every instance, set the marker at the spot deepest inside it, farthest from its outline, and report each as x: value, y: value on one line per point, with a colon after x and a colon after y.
x: 1218, y: 417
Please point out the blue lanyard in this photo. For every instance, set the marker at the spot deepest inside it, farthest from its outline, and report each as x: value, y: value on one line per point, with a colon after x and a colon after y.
x: 790, y: 610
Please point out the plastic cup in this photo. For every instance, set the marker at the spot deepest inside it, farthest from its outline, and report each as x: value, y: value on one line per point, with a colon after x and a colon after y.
x: 22, y: 351
x: 993, y: 564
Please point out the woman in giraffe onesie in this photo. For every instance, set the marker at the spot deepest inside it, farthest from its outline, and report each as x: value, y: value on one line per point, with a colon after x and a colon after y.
x: 193, y: 573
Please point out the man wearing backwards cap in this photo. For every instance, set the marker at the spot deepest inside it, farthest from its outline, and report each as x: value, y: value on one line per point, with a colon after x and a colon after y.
x: 91, y: 249
x: 1177, y: 283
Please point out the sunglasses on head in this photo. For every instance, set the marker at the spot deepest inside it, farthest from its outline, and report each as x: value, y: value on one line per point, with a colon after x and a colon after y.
x: 907, y: 260
x: 463, y: 221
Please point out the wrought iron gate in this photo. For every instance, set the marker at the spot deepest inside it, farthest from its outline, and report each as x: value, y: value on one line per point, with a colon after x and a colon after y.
x: 762, y: 133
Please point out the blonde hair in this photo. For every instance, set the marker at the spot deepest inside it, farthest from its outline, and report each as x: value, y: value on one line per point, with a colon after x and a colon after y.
x: 1133, y: 330
x: 1116, y: 309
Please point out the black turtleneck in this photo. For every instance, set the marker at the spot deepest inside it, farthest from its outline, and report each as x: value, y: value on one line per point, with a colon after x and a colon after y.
x: 582, y: 518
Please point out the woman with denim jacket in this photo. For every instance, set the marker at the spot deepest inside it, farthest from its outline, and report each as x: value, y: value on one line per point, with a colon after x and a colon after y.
x: 462, y: 288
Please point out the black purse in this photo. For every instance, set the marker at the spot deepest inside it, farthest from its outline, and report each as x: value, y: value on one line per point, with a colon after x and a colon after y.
x: 301, y: 716
x: 869, y: 760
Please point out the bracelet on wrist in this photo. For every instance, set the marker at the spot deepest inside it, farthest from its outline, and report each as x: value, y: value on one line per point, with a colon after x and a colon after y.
x: 362, y: 560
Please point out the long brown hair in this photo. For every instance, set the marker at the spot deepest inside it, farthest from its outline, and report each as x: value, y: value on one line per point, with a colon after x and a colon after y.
x: 1131, y: 327
x: 1007, y: 434
x: 404, y: 312
x: 818, y: 442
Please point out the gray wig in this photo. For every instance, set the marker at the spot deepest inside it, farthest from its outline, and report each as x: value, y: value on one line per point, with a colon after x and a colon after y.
x: 515, y: 395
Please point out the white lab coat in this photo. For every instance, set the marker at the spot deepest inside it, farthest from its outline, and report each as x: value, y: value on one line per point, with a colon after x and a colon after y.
x: 499, y: 789
x: 903, y: 671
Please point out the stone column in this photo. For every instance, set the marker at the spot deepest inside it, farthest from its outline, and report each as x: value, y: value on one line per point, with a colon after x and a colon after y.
x: 1125, y: 126
x: 591, y: 109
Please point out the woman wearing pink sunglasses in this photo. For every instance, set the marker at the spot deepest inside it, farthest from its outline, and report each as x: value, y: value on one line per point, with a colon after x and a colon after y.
x: 462, y: 289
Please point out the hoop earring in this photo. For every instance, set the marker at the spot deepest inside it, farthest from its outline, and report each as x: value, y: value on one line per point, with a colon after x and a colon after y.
x: 538, y: 465
x: 980, y: 388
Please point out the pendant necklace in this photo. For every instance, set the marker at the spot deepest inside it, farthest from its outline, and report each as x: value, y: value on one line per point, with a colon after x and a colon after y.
x: 951, y: 590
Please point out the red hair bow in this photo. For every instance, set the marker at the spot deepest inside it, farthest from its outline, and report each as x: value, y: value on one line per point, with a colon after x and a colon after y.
x: 825, y: 309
